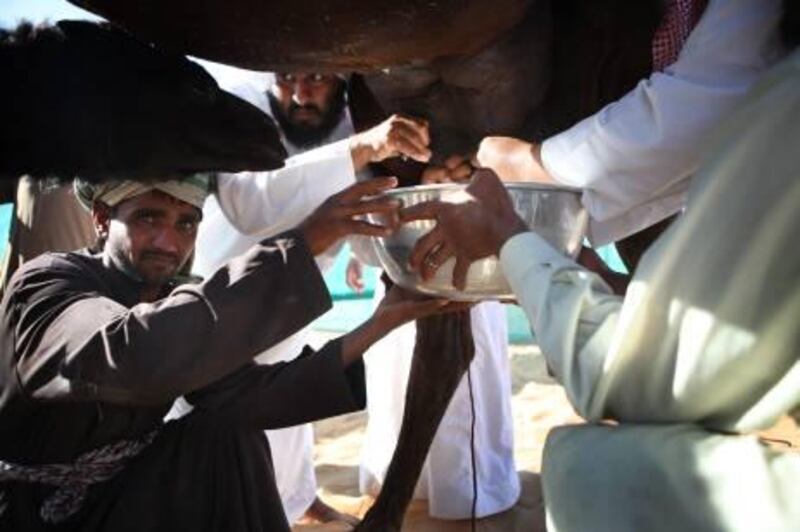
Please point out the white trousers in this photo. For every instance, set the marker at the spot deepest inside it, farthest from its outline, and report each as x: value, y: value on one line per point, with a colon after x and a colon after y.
x: 446, y: 479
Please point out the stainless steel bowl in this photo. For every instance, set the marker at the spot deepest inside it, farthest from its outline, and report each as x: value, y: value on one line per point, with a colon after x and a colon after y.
x: 554, y: 213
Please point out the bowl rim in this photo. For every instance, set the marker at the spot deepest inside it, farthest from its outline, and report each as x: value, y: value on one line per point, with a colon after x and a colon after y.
x: 460, y: 186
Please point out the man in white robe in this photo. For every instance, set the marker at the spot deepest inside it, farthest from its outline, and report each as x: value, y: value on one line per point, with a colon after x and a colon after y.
x: 311, y: 113
x: 700, y: 355
x: 635, y: 157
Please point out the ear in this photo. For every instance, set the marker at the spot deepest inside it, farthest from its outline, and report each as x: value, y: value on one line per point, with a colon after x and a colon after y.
x: 101, y: 217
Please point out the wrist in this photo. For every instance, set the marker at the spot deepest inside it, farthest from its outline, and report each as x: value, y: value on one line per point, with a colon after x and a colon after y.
x: 356, y: 342
x: 313, y: 243
x: 507, y: 229
x: 361, y: 152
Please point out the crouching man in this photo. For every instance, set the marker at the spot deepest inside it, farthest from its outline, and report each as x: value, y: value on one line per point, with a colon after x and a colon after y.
x: 94, y: 348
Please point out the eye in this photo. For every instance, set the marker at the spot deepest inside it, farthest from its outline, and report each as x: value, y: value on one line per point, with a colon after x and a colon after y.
x: 187, y: 226
x: 316, y: 77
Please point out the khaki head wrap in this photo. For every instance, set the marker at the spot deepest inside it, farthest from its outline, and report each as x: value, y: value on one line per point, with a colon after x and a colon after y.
x: 192, y: 190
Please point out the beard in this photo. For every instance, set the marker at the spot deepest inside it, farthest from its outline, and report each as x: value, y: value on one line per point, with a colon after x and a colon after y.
x: 305, y: 135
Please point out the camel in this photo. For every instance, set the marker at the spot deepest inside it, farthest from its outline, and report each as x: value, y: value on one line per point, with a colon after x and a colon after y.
x: 525, y: 68
x: 80, y: 98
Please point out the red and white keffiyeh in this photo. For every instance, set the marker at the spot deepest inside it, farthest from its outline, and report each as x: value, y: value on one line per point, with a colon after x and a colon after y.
x: 679, y: 20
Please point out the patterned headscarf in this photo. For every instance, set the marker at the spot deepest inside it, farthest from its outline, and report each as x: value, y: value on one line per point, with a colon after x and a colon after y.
x: 192, y: 190
x: 680, y: 19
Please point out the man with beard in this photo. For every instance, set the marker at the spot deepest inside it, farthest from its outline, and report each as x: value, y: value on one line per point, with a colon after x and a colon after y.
x: 310, y: 109
x: 96, y: 347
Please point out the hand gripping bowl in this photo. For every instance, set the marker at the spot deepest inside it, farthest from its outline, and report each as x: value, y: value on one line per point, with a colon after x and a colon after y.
x: 554, y: 213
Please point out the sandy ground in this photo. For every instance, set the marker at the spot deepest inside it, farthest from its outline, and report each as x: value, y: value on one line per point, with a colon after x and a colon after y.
x: 537, y: 406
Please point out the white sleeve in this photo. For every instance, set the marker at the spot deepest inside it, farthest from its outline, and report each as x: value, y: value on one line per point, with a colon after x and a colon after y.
x: 708, y: 330
x: 642, y: 148
x: 270, y: 202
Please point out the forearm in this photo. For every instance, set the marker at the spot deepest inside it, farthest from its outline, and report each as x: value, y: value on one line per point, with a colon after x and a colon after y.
x: 270, y: 202
x: 360, y: 154
x: 153, y: 352
x: 313, y: 386
x: 356, y: 342
x: 656, y: 135
x: 523, y: 163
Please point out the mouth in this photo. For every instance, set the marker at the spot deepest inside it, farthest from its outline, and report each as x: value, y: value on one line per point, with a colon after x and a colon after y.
x: 161, y: 260
x: 305, y: 114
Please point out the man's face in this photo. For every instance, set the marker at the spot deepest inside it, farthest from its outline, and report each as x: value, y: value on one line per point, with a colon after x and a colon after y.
x: 307, y: 106
x: 151, y: 235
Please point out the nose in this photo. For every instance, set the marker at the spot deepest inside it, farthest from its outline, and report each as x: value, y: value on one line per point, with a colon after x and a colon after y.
x: 166, y: 241
x: 303, y: 92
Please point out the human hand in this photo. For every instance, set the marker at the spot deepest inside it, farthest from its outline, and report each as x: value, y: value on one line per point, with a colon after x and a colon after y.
x: 396, y: 136
x: 353, y: 276
x: 400, y: 306
x: 513, y: 159
x: 456, y: 169
x: 339, y: 216
x: 589, y: 259
x: 471, y: 225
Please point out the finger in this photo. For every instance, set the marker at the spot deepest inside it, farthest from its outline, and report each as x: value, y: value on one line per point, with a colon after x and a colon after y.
x: 426, y: 210
x: 413, y: 132
x: 424, y: 245
x: 485, y: 183
x: 454, y: 161
x: 370, y: 187
x: 382, y: 205
x: 434, y: 260
x: 419, y: 125
x: 461, y: 173
x: 434, y: 174
x: 363, y: 227
x: 404, y: 142
x: 460, y: 272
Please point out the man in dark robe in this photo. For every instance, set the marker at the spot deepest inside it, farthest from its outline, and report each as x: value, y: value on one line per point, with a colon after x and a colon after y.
x: 95, y: 348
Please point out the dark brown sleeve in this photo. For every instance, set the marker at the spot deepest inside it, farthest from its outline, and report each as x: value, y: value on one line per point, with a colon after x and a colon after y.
x: 76, y: 345
x: 313, y: 386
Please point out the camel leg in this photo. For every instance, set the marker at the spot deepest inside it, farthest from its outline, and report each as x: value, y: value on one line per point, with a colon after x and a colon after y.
x: 443, y: 352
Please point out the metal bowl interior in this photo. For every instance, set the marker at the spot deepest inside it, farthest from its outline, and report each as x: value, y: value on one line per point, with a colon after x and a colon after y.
x: 554, y: 213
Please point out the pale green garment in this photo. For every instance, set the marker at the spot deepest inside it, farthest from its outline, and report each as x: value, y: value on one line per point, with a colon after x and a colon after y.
x: 707, y: 339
